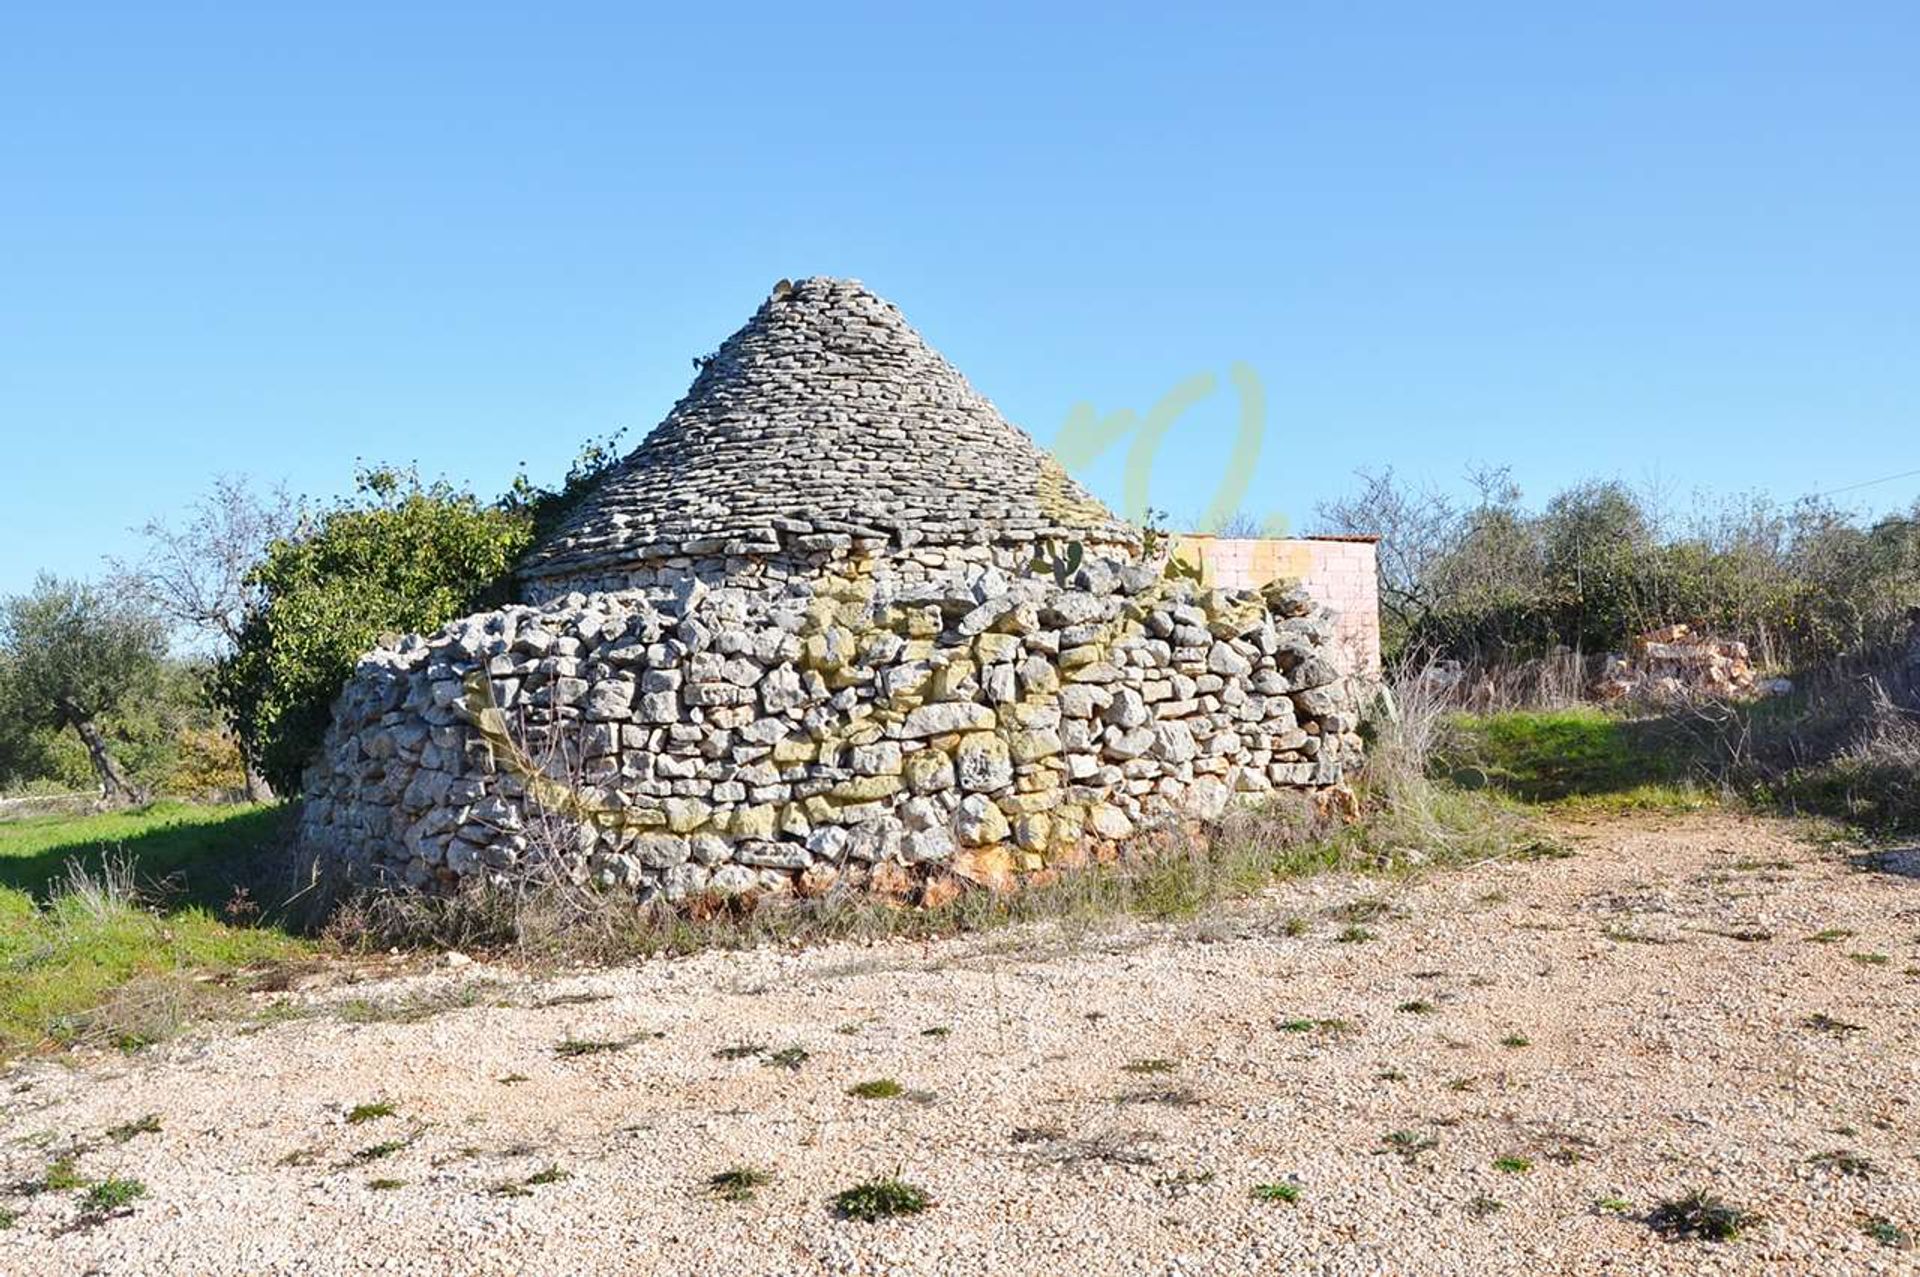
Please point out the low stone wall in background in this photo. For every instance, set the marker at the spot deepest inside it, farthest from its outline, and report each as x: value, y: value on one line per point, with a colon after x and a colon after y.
x: 852, y: 725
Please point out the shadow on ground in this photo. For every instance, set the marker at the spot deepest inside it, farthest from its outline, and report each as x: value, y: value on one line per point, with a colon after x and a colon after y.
x: 1550, y: 756
x: 185, y: 855
x: 1902, y: 862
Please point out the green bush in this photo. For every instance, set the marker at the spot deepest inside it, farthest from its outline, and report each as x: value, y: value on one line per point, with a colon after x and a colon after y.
x: 1493, y: 581
x: 398, y: 557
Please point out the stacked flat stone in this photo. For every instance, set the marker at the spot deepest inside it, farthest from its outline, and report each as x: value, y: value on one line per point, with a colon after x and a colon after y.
x: 739, y: 739
x: 824, y: 427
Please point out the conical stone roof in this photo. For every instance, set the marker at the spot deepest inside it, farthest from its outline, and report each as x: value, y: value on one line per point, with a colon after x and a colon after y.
x: 826, y: 419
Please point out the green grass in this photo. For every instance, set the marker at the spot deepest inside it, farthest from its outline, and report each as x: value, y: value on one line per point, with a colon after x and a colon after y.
x: 1287, y: 1192
x: 369, y: 1112
x: 146, y: 1125
x: 1513, y: 1165
x: 1886, y: 1232
x: 192, y: 843
x: 1701, y: 1214
x: 739, y: 1184
x: 881, y: 1199
x: 572, y: 1048
x: 113, y: 1193
x: 61, y: 1176
x: 1585, y: 758
x: 97, y: 968
x: 881, y: 1088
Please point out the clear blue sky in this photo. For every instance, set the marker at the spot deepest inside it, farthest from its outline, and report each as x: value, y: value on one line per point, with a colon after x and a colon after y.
x: 1641, y: 240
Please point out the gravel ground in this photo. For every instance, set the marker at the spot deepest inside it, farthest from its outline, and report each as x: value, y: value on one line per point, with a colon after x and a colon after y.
x: 1634, y: 1021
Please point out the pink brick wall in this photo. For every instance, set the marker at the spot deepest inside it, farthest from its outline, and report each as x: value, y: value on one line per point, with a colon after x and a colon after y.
x: 1343, y: 575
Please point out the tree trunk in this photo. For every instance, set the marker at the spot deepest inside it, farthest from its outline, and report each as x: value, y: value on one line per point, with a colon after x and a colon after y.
x: 114, y: 785
x: 258, y: 790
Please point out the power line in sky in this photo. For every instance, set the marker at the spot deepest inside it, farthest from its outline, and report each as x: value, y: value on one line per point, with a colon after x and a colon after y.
x: 1868, y: 483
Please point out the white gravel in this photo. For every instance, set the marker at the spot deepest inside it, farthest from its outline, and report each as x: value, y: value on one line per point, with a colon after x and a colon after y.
x: 1651, y: 1068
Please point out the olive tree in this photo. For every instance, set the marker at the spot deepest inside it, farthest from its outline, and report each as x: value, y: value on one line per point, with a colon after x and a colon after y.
x: 71, y: 655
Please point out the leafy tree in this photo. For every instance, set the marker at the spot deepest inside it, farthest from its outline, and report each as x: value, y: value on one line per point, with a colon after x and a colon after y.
x: 1598, y: 565
x: 72, y: 656
x: 399, y: 556
x: 198, y: 574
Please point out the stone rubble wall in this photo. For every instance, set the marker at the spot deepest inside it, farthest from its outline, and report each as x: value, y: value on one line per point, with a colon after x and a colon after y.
x: 661, y: 579
x: 823, y: 729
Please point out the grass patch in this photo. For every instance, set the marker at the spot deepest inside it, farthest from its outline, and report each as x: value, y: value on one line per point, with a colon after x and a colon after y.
x: 1886, y: 1232
x: 1302, y: 1024
x: 1513, y: 1165
x: 1832, y: 935
x: 789, y: 1058
x: 374, y: 1152
x: 194, y: 845
x: 62, y: 1176
x: 113, y: 1193
x: 1870, y: 959
x: 1481, y: 1206
x: 1700, y: 1214
x: 572, y: 1048
x: 1583, y: 757
x: 1354, y: 935
x: 369, y: 1112
x: 881, y: 1199
x: 738, y: 1183
x: 146, y: 1125
x: 95, y: 965
x: 551, y: 1175
x: 1409, y: 1144
x: 1155, y: 1065
x: 880, y: 1088
x: 385, y: 1185
x: 1418, y: 1006
x: 1515, y: 1041
x: 1288, y: 1192
x: 1845, y: 1162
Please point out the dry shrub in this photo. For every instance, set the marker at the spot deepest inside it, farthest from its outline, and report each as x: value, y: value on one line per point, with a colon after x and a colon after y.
x: 146, y: 1010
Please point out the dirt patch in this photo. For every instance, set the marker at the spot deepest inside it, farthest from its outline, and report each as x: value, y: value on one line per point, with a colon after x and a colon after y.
x: 1501, y: 1070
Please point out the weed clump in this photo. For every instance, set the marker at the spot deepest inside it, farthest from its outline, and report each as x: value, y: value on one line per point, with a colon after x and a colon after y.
x: 880, y: 1088
x: 1700, y: 1214
x: 881, y: 1199
x: 147, y: 1125
x: 738, y: 1184
x: 113, y: 1193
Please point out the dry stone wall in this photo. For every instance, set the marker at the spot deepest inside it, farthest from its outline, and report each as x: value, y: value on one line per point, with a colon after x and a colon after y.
x: 824, y: 729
